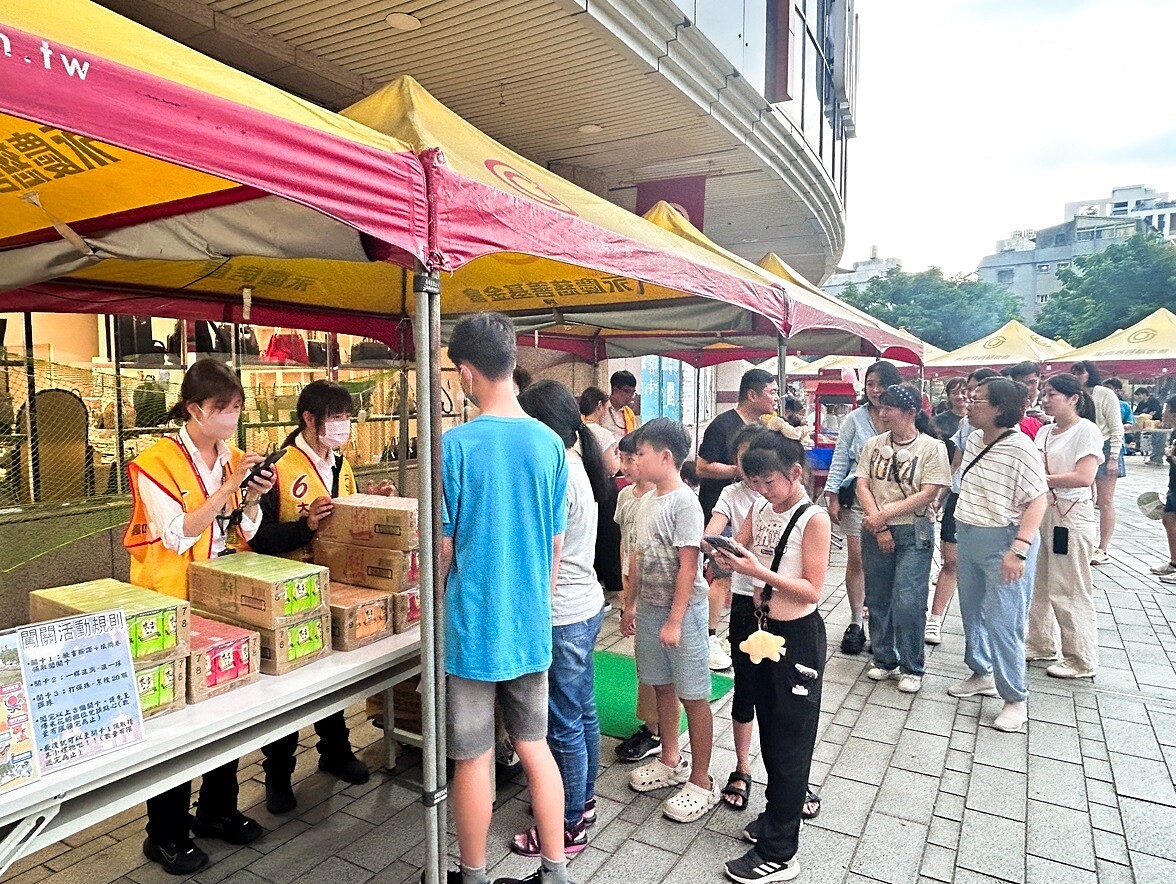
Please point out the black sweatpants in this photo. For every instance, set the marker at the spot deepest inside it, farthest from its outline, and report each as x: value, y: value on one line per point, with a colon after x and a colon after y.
x: 334, y: 742
x: 788, y: 709
x: 167, y: 813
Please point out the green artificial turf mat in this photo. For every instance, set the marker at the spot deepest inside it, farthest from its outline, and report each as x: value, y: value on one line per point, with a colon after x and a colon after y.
x: 616, y: 693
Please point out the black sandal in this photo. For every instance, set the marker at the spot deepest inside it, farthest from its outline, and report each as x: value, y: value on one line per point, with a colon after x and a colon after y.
x: 811, y: 798
x: 739, y: 788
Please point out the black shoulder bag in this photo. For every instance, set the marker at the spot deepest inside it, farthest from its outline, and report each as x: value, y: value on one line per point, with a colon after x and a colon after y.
x: 987, y: 448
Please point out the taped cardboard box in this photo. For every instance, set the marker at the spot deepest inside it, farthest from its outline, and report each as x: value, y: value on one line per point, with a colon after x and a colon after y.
x: 374, y: 521
x: 406, y: 609
x: 287, y: 648
x: 161, y: 686
x: 157, y: 624
x: 266, y: 592
x: 223, y: 657
x: 390, y: 570
x: 359, y: 616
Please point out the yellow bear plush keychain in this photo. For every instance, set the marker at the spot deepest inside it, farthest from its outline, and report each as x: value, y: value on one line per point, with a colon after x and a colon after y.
x: 763, y: 645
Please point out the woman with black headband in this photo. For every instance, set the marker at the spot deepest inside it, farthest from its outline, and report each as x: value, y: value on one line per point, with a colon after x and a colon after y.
x: 901, y: 472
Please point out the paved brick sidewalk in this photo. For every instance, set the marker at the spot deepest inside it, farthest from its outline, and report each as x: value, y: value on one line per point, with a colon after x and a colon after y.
x: 915, y: 788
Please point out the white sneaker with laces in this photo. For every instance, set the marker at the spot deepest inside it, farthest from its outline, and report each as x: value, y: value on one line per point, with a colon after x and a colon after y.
x: 910, y: 684
x: 719, y: 659
x: 1166, y: 568
x: 932, y: 635
x: 1099, y: 557
x: 1168, y: 578
x: 877, y: 673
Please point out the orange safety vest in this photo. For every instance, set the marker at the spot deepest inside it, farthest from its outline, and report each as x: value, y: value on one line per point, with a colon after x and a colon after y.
x: 299, y: 485
x: 168, y: 464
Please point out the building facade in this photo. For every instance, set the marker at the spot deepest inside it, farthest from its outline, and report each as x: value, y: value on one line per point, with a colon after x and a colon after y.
x: 1134, y: 202
x: 862, y: 273
x: 1027, y: 263
x: 739, y: 111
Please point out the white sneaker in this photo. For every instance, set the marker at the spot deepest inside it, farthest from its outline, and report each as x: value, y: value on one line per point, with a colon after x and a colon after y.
x: 910, y: 684
x: 1168, y: 578
x: 877, y: 673
x: 1011, y: 719
x: 974, y: 685
x: 719, y: 659
x: 1099, y: 557
x: 1164, y: 569
x: 1061, y: 670
x: 931, y: 635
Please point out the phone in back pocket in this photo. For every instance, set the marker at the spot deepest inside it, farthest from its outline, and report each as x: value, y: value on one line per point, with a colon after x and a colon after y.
x: 1061, y: 540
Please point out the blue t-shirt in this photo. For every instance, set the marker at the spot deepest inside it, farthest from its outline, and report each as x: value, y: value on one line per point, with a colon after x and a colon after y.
x: 1126, y: 413
x: 504, y: 484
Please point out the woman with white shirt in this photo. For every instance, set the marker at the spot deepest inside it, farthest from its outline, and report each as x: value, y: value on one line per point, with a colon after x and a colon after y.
x: 1109, y: 419
x: 1063, y: 590
x: 309, y: 478
x: 189, y: 504
x: 999, y: 508
x: 859, y: 426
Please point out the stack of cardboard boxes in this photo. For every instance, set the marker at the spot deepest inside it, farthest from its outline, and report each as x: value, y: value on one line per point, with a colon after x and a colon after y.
x: 370, y: 543
x: 158, y: 627
x: 284, y: 600
x: 223, y: 657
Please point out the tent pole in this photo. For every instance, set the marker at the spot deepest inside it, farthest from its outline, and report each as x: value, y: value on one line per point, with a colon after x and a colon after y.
x: 697, y: 402
x: 426, y: 288
x: 782, y: 369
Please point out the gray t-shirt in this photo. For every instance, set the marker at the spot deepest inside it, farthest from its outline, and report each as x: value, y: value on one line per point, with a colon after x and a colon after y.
x: 578, y: 594
x: 664, y: 524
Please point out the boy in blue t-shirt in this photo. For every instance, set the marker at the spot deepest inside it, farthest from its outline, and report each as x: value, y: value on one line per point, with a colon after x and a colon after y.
x: 504, y: 478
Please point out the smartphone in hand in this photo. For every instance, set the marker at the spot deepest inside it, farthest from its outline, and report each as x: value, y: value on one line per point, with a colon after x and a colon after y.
x: 718, y: 541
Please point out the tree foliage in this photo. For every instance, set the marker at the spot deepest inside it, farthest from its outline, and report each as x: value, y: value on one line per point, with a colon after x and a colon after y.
x: 1111, y: 289
x: 946, y: 312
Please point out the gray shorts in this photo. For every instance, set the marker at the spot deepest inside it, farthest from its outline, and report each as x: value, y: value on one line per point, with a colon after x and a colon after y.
x: 470, y: 712
x: 851, y: 521
x: 686, y: 667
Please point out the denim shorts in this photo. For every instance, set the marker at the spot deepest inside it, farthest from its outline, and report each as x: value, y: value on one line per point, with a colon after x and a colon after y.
x: 1102, y: 467
x: 469, y: 706
x: 686, y: 667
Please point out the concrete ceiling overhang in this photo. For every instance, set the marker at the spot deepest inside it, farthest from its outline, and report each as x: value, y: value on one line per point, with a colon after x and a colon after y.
x: 530, y: 73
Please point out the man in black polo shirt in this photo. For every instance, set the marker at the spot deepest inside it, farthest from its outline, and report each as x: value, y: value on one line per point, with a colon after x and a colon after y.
x: 759, y: 394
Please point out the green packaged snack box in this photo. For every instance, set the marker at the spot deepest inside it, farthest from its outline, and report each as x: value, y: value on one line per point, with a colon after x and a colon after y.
x: 157, y: 624
x: 161, y: 686
x: 264, y: 592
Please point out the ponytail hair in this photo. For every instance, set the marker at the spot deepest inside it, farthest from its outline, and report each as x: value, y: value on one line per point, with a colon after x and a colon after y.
x: 553, y: 404
x: 321, y: 398
x: 771, y: 452
x: 207, y: 379
x: 1068, y: 386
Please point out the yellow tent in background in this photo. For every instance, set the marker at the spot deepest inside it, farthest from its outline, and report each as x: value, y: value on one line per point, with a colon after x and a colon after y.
x: 1143, y: 350
x: 1008, y: 345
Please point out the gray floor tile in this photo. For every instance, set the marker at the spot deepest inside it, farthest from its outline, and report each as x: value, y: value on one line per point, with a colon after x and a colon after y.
x: 863, y: 760
x: 1046, y: 871
x: 880, y: 723
x: 1111, y: 847
x: 997, y: 791
x: 1143, y: 778
x: 1057, y: 782
x: 1151, y: 869
x: 944, y: 832
x: 1131, y: 738
x: 1060, y: 834
x: 920, y: 753
x: 890, y: 850
x: 1010, y: 751
x: 992, y: 845
x: 845, y: 805
x: 907, y: 795
x: 1054, y: 741
x: 1150, y: 828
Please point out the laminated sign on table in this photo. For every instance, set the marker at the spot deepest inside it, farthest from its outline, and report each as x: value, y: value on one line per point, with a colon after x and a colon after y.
x: 18, y: 757
x: 81, y: 687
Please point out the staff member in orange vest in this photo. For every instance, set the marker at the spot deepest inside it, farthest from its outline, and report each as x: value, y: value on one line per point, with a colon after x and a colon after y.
x: 188, y: 506
x: 309, y: 477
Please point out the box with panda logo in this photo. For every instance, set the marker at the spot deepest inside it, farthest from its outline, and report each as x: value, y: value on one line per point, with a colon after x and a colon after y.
x: 263, y: 592
x: 359, y: 616
x: 157, y: 624
x: 223, y: 657
x: 161, y: 687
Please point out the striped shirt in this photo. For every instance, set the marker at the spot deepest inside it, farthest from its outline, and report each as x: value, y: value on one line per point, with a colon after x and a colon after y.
x: 1007, y: 479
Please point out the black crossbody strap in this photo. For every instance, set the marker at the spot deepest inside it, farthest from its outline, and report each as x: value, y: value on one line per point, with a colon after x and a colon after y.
x: 766, y: 595
x: 985, y: 450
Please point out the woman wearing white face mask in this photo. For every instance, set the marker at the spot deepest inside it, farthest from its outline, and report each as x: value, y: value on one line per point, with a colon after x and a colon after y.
x: 189, y: 505
x: 309, y: 477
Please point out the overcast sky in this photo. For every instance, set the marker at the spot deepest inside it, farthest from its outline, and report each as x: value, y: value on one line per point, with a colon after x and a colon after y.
x: 979, y: 117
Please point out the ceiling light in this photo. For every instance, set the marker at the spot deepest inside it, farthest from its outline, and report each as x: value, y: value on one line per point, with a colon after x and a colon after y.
x: 590, y: 129
x: 402, y: 21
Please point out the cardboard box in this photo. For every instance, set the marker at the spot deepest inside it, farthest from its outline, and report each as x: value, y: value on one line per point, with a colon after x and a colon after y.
x: 390, y: 570
x: 374, y: 521
x: 223, y: 657
x: 161, y: 686
x: 287, y: 648
x: 157, y: 624
x: 406, y: 609
x: 250, y: 589
x: 359, y: 616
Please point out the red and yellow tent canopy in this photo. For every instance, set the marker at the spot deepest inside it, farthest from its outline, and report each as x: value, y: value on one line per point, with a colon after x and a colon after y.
x: 1143, y: 350
x: 1008, y: 345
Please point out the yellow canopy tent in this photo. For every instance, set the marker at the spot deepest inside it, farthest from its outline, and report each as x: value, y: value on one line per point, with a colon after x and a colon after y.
x: 1143, y: 350
x: 1008, y: 345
